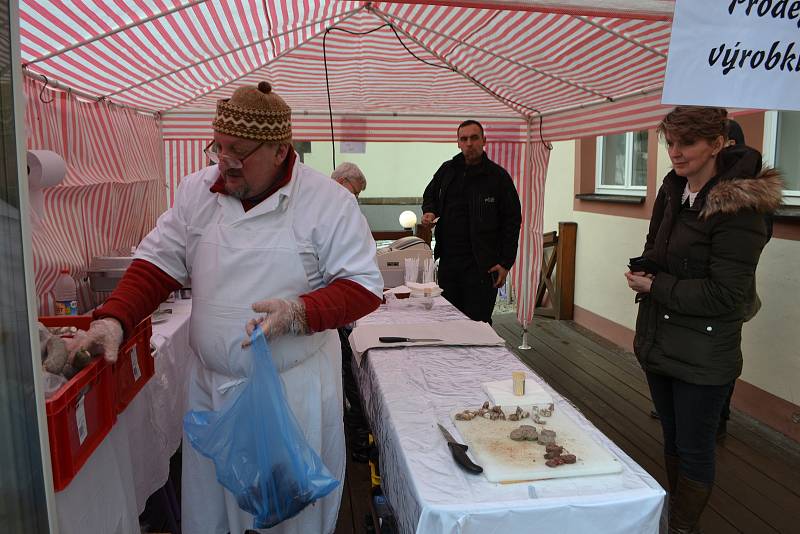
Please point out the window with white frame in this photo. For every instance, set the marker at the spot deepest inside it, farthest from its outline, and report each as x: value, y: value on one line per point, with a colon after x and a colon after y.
x: 622, y: 164
x: 782, y: 150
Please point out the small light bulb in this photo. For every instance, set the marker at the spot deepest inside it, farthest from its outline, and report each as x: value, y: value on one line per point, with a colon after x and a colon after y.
x: 408, y: 219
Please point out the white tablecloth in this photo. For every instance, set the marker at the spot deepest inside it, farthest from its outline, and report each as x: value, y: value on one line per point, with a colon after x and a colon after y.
x: 408, y: 390
x: 110, y: 491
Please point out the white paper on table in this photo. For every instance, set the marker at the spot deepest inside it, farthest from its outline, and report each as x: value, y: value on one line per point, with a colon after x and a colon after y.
x: 502, y: 392
x: 451, y: 333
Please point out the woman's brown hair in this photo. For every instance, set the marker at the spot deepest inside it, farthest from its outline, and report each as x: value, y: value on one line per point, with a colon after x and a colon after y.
x: 688, y: 124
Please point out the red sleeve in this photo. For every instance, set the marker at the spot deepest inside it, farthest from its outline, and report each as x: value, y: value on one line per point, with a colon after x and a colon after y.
x: 142, y: 288
x: 338, y: 304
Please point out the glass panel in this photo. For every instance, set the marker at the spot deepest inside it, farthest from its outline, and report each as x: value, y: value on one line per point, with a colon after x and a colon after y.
x: 639, y: 176
x: 22, y: 496
x: 613, y: 160
x: 788, y: 150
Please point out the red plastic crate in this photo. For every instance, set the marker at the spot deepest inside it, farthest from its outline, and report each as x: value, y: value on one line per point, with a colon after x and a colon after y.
x: 134, y: 365
x: 80, y: 414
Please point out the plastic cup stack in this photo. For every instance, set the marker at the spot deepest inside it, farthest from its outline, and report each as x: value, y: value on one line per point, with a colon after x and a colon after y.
x: 428, y: 271
x: 412, y: 269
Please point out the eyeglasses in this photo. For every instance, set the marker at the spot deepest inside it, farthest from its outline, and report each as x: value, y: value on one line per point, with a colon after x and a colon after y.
x: 212, y: 151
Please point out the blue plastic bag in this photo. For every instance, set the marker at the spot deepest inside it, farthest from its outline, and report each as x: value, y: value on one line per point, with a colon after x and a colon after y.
x: 258, y: 449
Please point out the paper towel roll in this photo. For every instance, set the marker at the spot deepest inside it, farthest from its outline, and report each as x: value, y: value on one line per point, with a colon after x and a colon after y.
x: 45, y: 169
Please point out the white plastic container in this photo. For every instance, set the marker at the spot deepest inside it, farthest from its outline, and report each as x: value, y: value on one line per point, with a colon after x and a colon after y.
x: 66, y: 294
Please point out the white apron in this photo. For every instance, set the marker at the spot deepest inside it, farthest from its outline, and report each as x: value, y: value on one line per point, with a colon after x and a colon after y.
x: 237, y: 259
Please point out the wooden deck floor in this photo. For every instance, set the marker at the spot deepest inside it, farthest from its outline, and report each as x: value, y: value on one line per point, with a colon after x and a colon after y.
x: 355, y: 508
x: 758, y: 470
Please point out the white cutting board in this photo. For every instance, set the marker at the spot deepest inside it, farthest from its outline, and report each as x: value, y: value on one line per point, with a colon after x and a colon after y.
x: 506, y: 460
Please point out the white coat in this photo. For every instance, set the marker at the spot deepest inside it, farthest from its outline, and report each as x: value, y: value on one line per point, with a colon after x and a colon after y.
x: 306, y: 235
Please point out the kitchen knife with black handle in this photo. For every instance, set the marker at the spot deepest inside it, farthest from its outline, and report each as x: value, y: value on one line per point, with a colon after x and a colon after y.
x: 459, y: 452
x: 392, y: 339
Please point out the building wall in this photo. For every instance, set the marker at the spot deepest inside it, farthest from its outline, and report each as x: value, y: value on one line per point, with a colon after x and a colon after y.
x: 608, y: 235
x: 392, y: 169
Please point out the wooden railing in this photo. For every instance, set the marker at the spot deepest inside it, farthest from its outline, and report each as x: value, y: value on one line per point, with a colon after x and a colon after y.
x: 390, y: 235
x: 556, y: 292
x: 421, y: 232
x: 424, y: 233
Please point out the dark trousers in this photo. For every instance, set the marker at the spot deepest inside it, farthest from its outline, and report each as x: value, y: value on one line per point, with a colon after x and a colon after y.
x: 690, y: 415
x: 355, y: 416
x: 726, y: 408
x: 468, y: 289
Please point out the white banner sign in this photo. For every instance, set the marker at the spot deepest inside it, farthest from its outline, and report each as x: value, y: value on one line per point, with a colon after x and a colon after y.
x: 735, y: 53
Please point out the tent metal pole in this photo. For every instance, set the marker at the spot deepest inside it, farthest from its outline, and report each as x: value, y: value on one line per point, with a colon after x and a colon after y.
x: 55, y: 84
x: 502, y: 58
x: 615, y: 33
x: 403, y: 115
x: 386, y: 19
x: 524, y: 345
x: 588, y: 8
x: 400, y: 115
x: 237, y: 49
x: 616, y: 99
x: 115, y: 31
x: 526, y: 275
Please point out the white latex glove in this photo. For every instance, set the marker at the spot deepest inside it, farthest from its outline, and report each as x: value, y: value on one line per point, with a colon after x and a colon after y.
x: 283, y: 316
x: 103, y: 337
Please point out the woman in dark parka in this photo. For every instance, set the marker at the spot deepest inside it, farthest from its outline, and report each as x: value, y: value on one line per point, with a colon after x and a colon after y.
x: 706, y: 235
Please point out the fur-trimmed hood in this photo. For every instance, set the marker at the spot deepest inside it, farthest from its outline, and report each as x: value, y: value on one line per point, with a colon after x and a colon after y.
x: 740, y: 184
x: 762, y: 193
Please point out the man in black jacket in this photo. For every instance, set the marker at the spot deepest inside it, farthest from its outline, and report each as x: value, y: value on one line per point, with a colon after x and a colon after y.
x: 475, y: 207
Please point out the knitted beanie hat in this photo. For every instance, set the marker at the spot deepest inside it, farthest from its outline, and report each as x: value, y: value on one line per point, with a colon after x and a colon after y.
x: 255, y: 113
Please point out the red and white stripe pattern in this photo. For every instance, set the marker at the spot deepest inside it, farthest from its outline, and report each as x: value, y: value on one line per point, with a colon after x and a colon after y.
x: 183, y: 157
x: 153, y: 55
x: 636, y: 9
x: 539, y: 56
x: 591, y: 68
x: 529, y: 178
x: 629, y: 114
x: 113, y: 191
x: 187, y: 134
x: 431, y: 129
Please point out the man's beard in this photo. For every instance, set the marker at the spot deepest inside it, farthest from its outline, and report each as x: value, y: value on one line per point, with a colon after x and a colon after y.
x: 240, y: 193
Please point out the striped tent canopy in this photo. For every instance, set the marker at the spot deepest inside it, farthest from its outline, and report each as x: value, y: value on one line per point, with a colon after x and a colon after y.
x: 477, y: 58
x: 532, y: 71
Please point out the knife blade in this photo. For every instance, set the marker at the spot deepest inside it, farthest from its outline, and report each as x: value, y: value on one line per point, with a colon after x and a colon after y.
x: 459, y: 452
x: 393, y: 339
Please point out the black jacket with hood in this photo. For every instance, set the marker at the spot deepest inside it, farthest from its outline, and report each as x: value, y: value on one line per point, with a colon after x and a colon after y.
x: 495, y: 215
x: 689, y: 326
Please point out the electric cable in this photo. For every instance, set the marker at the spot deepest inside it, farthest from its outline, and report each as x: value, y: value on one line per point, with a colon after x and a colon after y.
x: 445, y: 67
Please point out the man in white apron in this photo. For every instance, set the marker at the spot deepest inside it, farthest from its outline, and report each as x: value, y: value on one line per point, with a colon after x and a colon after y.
x: 259, y: 232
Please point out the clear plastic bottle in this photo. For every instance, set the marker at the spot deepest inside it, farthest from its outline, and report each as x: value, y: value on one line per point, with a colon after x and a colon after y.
x: 66, y: 294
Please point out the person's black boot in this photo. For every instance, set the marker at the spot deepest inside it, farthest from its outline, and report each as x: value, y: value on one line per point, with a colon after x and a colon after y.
x: 671, y: 465
x: 689, y: 501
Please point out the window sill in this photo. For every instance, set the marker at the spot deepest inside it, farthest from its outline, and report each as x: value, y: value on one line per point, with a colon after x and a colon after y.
x: 390, y: 201
x: 618, y: 199
x: 788, y: 213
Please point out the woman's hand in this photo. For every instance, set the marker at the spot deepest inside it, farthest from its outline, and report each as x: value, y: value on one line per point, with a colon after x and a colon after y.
x: 640, y: 281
